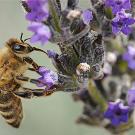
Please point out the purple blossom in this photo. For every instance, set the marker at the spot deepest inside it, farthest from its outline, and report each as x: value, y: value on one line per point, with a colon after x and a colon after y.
x: 51, y: 54
x: 42, y: 32
x: 118, y: 5
x: 48, y: 78
x: 129, y: 56
x: 122, y: 22
x: 87, y: 16
x: 117, y: 113
x: 131, y: 96
x: 38, y: 10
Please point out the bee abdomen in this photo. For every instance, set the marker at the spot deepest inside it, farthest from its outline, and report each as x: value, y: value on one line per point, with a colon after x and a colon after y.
x: 11, y: 110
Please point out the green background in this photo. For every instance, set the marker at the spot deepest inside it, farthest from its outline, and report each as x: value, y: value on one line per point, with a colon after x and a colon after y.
x: 54, y: 115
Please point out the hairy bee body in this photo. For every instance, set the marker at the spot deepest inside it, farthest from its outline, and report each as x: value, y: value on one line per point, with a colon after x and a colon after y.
x: 11, y: 108
x: 10, y: 66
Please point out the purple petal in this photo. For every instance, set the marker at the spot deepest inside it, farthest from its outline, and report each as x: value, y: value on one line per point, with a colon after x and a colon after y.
x: 87, y: 16
x: 42, y: 70
x: 42, y: 84
x: 115, y: 121
x: 108, y: 114
x: 127, y: 4
x: 34, y: 26
x: 131, y: 65
x: 51, y: 54
x: 131, y: 50
x: 34, y: 38
x: 126, y: 56
x: 39, y: 10
x: 115, y: 30
x: 131, y: 98
x: 126, y: 30
x: 124, y: 118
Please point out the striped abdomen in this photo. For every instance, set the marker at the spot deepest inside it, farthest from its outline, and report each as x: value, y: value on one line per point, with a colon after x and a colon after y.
x: 11, y: 109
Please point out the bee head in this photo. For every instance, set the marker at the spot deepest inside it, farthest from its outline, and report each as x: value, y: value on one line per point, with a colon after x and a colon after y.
x: 20, y: 47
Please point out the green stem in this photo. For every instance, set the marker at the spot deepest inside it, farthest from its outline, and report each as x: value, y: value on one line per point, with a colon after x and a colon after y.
x: 108, y: 13
x: 54, y: 15
x: 96, y: 95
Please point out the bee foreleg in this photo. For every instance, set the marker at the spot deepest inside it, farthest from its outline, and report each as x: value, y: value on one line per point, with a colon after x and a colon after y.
x: 27, y: 79
x: 31, y: 62
x: 30, y: 93
x: 33, y: 70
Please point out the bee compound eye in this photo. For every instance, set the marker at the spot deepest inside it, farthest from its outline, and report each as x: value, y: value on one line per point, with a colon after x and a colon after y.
x: 18, y: 47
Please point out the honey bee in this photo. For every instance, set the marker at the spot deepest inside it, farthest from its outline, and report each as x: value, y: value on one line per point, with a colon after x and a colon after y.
x: 14, y: 61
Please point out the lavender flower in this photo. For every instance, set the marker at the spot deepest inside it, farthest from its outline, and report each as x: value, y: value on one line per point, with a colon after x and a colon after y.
x: 38, y: 10
x: 122, y: 23
x: 118, y: 5
x: 42, y: 32
x: 87, y: 16
x: 48, y: 78
x: 129, y: 56
x: 117, y: 113
x: 131, y: 96
x: 51, y: 54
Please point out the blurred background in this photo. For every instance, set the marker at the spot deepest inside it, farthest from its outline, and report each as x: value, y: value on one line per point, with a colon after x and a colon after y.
x: 54, y: 115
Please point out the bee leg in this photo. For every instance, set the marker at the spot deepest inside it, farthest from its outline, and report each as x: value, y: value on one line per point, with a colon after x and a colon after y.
x: 27, y: 79
x: 30, y: 93
x: 31, y: 69
x: 31, y: 62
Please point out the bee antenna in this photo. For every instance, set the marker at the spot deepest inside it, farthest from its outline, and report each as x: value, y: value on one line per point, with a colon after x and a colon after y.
x: 21, y: 37
x: 40, y: 50
x: 26, y: 39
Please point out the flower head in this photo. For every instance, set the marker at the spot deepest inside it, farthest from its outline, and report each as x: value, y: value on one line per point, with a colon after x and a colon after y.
x: 117, y: 113
x: 42, y: 32
x: 48, y: 78
x: 51, y: 54
x: 129, y: 56
x: 122, y: 22
x: 131, y: 96
x: 87, y: 16
x: 38, y: 10
x: 118, y: 5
